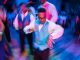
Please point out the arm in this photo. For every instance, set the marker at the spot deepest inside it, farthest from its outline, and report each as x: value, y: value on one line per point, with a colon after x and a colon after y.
x: 30, y: 28
x: 15, y: 23
x: 1, y: 26
x: 32, y: 11
x: 54, y: 13
x: 55, y: 31
x: 32, y: 18
x: 1, y: 29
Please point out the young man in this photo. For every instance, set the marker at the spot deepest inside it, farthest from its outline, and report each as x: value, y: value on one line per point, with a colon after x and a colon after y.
x: 45, y: 32
x: 23, y: 19
x: 51, y: 11
x: 4, y: 33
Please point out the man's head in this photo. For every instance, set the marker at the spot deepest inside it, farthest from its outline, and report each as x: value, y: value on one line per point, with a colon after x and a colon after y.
x: 2, y: 13
x: 43, y: 1
x: 42, y: 15
x: 23, y: 7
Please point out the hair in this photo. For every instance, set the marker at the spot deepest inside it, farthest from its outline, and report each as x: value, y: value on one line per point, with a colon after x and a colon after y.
x: 22, y: 4
x: 41, y: 10
x: 27, y: 5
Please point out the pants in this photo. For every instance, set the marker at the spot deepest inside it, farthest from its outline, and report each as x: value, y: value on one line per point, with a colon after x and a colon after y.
x: 30, y: 41
x: 41, y: 55
x: 7, y: 38
x: 5, y: 49
x: 7, y: 32
x: 22, y: 40
x: 2, y: 50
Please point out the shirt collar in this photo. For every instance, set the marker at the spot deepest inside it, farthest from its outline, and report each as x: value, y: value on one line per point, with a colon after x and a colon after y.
x: 25, y: 13
x: 44, y: 23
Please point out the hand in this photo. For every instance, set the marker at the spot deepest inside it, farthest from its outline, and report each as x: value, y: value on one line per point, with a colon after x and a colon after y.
x: 30, y: 30
x: 50, y: 42
x: 20, y: 25
x: 27, y: 30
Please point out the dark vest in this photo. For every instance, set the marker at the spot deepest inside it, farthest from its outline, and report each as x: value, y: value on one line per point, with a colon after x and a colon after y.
x: 24, y: 22
x: 42, y: 35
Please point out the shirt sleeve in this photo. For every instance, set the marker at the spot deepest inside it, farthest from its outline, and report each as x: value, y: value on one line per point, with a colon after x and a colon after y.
x: 32, y: 11
x: 54, y: 13
x: 15, y: 23
x: 29, y: 28
x: 55, y: 30
x: 32, y: 18
x: 1, y: 27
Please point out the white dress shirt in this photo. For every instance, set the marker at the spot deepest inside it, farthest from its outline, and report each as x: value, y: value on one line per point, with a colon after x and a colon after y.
x: 15, y: 23
x: 54, y: 30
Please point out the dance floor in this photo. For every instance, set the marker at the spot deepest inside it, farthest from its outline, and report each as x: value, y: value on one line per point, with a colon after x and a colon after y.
x: 66, y: 47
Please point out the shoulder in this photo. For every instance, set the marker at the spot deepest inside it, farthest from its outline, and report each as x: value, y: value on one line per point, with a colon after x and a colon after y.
x: 50, y: 22
x: 50, y: 4
x: 32, y: 16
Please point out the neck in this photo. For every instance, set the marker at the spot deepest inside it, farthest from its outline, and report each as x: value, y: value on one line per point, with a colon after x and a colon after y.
x: 24, y: 12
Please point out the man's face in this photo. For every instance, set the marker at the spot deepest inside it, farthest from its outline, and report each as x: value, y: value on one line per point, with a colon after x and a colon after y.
x: 42, y: 17
x: 43, y: 1
x: 23, y: 8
